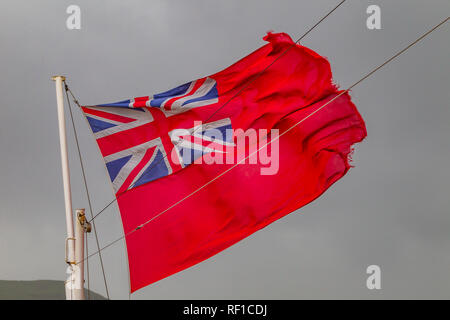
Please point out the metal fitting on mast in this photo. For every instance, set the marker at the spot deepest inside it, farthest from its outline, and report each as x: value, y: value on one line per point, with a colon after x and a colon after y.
x: 83, y: 221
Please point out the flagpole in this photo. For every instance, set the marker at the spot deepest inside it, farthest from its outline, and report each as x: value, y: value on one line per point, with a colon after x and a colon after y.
x: 72, y: 285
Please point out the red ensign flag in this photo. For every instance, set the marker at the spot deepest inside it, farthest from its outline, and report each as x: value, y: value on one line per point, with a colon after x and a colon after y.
x: 192, y: 170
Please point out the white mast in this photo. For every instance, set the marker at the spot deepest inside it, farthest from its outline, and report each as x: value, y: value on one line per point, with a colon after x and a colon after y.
x: 74, y: 246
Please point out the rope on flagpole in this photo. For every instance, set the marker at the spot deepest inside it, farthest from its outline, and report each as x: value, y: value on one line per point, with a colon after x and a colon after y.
x: 244, y: 86
x: 278, y: 137
x: 85, y: 184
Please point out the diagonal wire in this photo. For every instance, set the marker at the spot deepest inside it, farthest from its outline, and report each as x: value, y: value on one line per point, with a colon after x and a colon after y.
x: 276, y: 138
x: 244, y: 86
x: 86, y: 186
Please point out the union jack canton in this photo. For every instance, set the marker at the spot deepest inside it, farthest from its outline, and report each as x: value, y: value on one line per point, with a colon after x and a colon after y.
x: 147, y: 138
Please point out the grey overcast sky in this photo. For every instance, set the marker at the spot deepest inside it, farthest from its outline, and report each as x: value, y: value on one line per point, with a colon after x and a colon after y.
x: 392, y: 209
